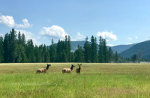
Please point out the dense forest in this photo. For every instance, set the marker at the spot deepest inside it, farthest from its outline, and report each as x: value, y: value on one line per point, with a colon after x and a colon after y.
x: 15, y: 49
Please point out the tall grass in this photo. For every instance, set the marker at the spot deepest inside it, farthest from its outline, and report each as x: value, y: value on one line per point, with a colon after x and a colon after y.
x: 95, y: 81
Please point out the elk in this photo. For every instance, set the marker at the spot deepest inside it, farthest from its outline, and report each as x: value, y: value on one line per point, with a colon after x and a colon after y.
x: 78, y: 69
x: 68, y: 70
x: 43, y: 70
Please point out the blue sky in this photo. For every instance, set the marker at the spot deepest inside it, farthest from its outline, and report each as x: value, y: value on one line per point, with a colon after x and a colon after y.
x: 119, y: 21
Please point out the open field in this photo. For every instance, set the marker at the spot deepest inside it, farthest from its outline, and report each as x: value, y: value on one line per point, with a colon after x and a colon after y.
x: 95, y: 81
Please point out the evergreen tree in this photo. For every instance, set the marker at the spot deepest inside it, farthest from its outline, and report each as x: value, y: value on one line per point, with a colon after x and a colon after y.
x: 110, y: 55
x: 93, y: 49
x: 53, y: 52
x: 61, y: 52
x: 46, y: 54
x: 30, y: 51
x: 6, y: 48
x: 72, y: 58
x: 37, y: 54
x: 101, y: 50
x: 13, y: 46
x: 79, y: 56
x: 21, y: 56
x: 116, y: 57
x: 1, y: 50
x: 87, y: 51
x: 67, y: 48
x: 105, y: 51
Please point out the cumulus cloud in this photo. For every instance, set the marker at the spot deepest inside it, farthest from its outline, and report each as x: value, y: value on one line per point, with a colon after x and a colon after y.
x: 25, y: 24
x: 55, y: 32
x: 28, y: 36
x: 7, y: 20
x: 107, y: 35
x: 10, y: 22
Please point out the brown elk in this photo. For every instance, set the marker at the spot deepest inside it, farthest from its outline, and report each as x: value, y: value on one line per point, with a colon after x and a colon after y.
x: 43, y: 70
x: 68, y: 70
x: 78, y: 69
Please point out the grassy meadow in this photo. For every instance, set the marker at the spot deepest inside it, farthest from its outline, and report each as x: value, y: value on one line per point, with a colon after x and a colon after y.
x: 19, y: 80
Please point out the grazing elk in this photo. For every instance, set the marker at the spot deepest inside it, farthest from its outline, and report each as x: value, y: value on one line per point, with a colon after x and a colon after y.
x: 43, y: 70
x: 78, y: 69
x: 68, y: 70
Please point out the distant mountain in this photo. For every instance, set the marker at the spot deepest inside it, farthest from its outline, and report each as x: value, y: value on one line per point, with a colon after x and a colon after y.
x: 74, y: 44
x: 143, y: 48
x: 121, y: 48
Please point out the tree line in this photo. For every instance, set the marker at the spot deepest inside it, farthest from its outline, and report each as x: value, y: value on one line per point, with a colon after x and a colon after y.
x: 15, y: 49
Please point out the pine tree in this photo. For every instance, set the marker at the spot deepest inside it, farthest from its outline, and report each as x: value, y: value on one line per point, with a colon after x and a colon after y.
x: 87, y: 51
x: 72, y: 58
x: 53, y: 52
x: 68, y: 49
x: 116, y: 57
x: 93, y: 50
x: 6, y: 48
x: 101, y: 50
x: 30, y: 51
x: 61, y: 52
x: 110, y: 55
x: 79, y: 56
x: 21, y: 56
x: 37, y: 54
x: 13, y: 46
x: 1, y: 50
x: 105, y: 51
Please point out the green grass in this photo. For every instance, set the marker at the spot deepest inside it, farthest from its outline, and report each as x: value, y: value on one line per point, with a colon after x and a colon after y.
x: 20, y: 80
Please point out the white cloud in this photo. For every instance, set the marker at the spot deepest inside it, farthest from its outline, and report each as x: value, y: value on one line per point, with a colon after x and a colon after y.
x: 107, y: 35
x: 28, y: 36
x: 25, y: 24
x: 55, y: 32
x: 9, y: 21
x: 79, y: 37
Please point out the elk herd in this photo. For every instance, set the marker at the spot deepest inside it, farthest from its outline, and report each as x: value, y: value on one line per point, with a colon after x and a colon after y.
x: 64, y: 70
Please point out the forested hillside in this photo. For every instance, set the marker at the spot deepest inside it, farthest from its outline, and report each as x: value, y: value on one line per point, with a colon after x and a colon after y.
x: 15, y: 48
x: 121, y: 48
x: 141, y: 49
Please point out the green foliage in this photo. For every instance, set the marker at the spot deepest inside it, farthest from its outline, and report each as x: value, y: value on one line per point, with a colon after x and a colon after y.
x: 15, y: 48
x: 53, y: 52
x: 87, y: 51
x: 79, y: 57
x: 104, y: 54
x: 116, y: 57
x: 94, y: 57
x: 141, y: 48
x: 1, y: 50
